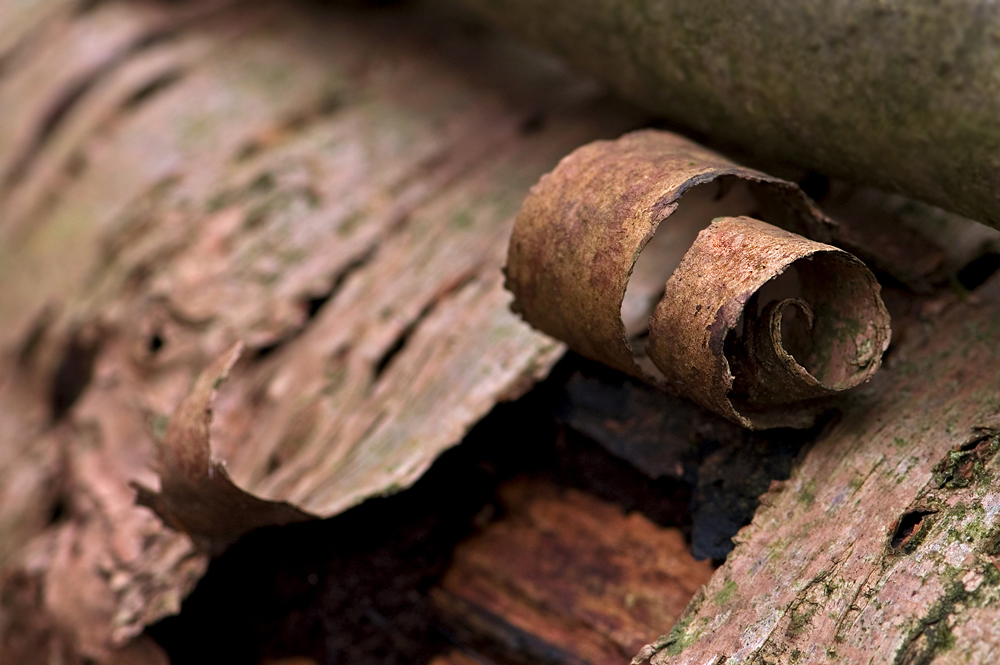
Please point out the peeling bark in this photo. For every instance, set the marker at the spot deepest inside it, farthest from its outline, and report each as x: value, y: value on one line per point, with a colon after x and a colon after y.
x: 716, y: 334
x: 324, y: 186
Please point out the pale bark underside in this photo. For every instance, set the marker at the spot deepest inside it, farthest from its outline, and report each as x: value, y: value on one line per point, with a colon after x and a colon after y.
x: 334, y: 189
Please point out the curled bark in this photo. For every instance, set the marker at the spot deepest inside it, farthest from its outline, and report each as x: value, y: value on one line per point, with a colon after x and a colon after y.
x: 197, y: 495
x: 759, y: 373
x: 714, y: 336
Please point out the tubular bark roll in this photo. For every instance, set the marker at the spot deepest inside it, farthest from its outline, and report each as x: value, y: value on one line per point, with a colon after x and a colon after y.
x: 756, y: 322
x: 896, y: 94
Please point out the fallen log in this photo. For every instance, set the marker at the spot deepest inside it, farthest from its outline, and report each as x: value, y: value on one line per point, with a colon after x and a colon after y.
x: 899, y: 95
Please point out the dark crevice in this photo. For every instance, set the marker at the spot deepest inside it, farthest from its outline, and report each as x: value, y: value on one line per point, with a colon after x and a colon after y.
x: 909, y: 526
x: 155, y: 343
x: 59, y: 511
x: 356, y: 588
x: 269, y: 349
x: 978, y: 271
x: 401, y: 340
x: 72, y: 376
x: 815, y: 185
x: 152, y: 88
x: 313, y: 304
x: 532, y: 124
x: 407, y: 332
x: 975, y: 443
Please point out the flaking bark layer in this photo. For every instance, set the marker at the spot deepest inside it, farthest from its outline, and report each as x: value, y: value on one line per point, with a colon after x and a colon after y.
x: 580, y: 233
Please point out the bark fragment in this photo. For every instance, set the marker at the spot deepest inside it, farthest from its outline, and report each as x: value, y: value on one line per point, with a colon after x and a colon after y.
x: 579, y: 236
x: 196, y: 494
x: 323, y: 185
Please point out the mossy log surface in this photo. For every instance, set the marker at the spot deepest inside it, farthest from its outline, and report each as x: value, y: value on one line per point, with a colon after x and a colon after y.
x: 899, y: 94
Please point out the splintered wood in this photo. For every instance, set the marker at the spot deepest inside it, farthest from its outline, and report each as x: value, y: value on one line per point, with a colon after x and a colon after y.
x: 565, y: 577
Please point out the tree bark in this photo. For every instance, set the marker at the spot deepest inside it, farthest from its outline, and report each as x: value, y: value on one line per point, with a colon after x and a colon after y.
x: 332, y: 188
x: 900, y: 95
x: 335, y: 189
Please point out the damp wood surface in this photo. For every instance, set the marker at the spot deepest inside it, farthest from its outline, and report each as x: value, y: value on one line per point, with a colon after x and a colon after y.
x: 331, y: 187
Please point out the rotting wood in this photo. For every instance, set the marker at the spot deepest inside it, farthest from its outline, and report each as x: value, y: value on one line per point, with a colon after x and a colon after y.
x: 323, y: 185
x: 882, y: 546
x: 565, y: 578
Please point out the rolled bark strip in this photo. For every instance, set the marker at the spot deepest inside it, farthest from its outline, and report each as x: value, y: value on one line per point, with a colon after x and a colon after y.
x: 899, y: 94
x: 580, y: 233
x: 718, y: 340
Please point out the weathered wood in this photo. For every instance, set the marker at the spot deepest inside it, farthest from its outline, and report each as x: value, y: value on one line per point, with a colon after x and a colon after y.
x: 583, y: 228
x: 882, y: 546
x: 564, y: 577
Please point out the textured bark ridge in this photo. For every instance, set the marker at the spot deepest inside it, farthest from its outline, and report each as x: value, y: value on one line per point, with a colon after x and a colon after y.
x: 900, y: 95
x: 332, y: 188
x: 715, y: 336
x: 884, y: 545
